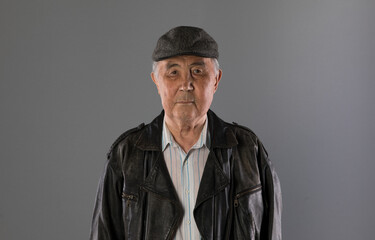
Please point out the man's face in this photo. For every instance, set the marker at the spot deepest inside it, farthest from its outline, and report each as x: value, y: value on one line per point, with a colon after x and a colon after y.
x: 186, y: 85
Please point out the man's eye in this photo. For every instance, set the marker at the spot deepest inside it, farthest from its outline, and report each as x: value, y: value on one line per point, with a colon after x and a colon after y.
x: 197, y: 71
x: 173, y: 72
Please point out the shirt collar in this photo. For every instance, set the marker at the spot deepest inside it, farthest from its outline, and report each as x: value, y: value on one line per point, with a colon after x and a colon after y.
x: 167, y: 138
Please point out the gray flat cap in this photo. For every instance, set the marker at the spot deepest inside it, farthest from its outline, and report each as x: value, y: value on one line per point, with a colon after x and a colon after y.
x: 185, y: 40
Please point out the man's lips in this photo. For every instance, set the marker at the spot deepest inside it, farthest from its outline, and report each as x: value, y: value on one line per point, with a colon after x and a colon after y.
x: 184, y: 102
x: 185, y: 99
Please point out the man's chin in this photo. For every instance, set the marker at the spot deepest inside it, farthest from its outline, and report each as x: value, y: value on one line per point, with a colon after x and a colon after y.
x: 186, y: 116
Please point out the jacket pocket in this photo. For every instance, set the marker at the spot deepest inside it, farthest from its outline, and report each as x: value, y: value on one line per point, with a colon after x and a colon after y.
x: 248, y: 210
x: 246, y: 192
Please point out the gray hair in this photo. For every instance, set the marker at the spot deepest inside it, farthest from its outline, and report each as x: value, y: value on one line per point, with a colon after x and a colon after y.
x: 214, y: 60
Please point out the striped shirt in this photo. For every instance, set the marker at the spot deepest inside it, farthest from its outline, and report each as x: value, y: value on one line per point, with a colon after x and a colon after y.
x: 186, y: 170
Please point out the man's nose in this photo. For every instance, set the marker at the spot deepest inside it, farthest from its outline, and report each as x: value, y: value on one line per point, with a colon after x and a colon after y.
x: 187, y: 83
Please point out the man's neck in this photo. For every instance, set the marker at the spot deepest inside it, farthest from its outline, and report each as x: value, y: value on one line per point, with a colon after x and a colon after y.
x: 186, y: 134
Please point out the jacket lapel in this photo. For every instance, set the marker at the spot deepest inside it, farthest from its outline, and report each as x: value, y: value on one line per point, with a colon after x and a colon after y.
x: 159, y: 181
x: 215, y: 180
x: 164, y: 210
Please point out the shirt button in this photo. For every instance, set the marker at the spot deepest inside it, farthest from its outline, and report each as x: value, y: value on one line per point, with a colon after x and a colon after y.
x: 187, y: 191
x: 188, y: 222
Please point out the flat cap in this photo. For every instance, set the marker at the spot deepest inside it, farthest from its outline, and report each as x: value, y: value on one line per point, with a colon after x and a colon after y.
x: 185, y: 40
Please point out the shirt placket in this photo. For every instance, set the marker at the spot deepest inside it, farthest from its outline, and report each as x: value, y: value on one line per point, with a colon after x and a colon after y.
x: 186, y: 165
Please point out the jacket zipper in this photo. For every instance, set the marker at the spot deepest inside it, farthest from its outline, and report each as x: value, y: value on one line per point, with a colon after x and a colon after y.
x: 128, y: 197
x: 251, y: 190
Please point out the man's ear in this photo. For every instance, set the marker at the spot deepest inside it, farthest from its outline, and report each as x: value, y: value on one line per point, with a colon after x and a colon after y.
x: 153, y: 77
x: 218, y: 78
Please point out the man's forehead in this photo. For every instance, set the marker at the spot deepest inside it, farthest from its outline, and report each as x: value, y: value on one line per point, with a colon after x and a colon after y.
x: 185, y: 60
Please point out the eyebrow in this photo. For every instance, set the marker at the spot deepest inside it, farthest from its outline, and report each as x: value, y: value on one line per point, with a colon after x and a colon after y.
x: 171, y: 65
x: 199, y: 63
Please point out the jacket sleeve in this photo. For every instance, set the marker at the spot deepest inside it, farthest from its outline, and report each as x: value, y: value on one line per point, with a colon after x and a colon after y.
x: 271, y: 225
x: 107, y: 222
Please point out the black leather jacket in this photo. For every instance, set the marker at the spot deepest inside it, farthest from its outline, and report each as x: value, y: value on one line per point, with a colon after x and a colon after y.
x: 239, y: 196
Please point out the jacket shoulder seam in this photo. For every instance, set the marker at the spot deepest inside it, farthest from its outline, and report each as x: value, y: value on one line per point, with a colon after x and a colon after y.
x: 236, y: 125
x: 123, y: 136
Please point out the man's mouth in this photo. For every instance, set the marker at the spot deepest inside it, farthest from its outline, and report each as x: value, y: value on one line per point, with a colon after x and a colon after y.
x: 186, y: 99
x: 185, y: 102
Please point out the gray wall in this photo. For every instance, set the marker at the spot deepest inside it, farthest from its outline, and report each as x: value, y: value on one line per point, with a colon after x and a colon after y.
x: 75, y: 74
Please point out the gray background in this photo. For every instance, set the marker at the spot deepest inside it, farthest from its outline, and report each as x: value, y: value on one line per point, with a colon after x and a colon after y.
x: 75, y: 75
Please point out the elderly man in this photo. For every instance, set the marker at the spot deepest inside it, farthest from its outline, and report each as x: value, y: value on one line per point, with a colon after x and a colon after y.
x: 187, y: 174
